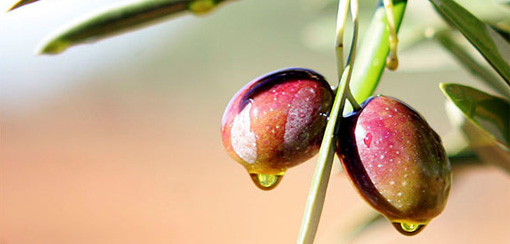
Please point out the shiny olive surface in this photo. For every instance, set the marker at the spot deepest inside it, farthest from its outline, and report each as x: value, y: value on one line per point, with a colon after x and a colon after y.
x: 277, y: 121
x: 395, y: 160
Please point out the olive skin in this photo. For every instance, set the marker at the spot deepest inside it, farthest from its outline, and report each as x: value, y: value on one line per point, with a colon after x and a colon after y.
x: 277, y: 120
x: 395, y: 160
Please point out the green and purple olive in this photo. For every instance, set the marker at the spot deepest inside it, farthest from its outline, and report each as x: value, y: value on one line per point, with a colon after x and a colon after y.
x: 396, y: 162
x: 276, y: 122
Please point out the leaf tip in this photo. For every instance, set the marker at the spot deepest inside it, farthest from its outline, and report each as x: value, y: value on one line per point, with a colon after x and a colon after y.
x: 444, y: 87
x: 52, y: 47
x: 20, y: 4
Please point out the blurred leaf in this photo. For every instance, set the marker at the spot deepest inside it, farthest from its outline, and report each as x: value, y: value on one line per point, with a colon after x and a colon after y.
x: 488, y: 42
x: 471, y: 64
x: 487, y: 122
x: 489, y: 151
x: 120, y: 19
x: 21, y: 3
x: 371, y: 56
x: 490, y: 113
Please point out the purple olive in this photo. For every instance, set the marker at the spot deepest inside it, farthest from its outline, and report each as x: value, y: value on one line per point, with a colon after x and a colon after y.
x: 396, y: 162
x: 277, y: 121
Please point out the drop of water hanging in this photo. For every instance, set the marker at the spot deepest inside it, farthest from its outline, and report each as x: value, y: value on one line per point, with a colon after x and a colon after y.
x: 408, y: 229
x: 266, y: 181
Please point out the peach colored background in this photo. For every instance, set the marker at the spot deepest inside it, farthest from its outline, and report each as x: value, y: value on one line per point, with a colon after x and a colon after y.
x: 119, y: 142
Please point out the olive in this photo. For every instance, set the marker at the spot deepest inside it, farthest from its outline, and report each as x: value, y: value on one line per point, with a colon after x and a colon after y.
x: 276, y: 122
x: 396, y: 162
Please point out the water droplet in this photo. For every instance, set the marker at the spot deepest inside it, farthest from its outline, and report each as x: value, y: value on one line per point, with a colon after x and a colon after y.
x: 201, y: 6
x: 368, y: 139
x: 408, y: 229
x: 266, y: 181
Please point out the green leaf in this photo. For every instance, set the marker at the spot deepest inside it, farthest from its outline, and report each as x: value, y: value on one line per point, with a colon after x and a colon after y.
x: 488, y: 42
x: 21, y: 3
x: 489, y: 113
x: 488, y: 149
x: 120, y: 19
x: 446, y: 40
x: 371, y: 57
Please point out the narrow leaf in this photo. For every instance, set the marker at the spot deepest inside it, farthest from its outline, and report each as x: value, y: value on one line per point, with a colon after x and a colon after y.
x: 489, y: 113
x: 446, y: 40
x: 120, y: 19
x: 488, y: 42
x: 21, y: 3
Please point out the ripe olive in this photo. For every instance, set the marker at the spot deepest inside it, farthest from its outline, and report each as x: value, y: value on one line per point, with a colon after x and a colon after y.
x: 277, y: 121
x: 396, y: 162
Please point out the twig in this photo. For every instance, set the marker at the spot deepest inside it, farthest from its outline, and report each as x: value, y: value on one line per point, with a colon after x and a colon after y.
x: 322, y: 172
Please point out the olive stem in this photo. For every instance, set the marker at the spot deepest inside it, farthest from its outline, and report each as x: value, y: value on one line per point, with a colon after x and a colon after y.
x: 392, y: 61
x: 339, y: 48
x: 341, y: 21
x: 317, y: 194
x: 352, y: 100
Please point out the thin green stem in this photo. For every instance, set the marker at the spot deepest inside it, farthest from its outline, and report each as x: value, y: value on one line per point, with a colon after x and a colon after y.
x: 341, y: 20
x: 392, y: 61
x: 322, y: 172
x: 339, y: 47
x: 352, y: 100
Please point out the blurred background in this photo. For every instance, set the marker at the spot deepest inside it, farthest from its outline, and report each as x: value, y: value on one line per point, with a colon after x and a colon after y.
x: 119, y: 141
